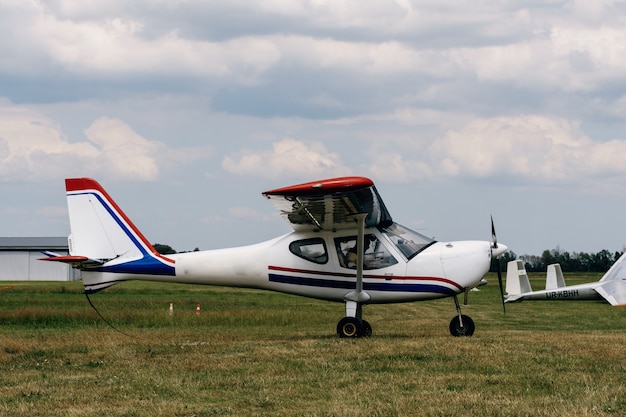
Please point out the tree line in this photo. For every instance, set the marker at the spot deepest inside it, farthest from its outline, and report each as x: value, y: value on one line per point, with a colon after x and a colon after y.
x: 570, y: 262
x: 167, y: 249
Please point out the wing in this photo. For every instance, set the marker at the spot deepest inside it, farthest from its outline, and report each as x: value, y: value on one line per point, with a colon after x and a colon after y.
x: 614, y: 292
x: 330, y: 204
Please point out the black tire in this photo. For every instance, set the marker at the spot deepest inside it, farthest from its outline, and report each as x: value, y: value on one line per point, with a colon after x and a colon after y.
x: 349, y: 327
x: 466, y: 330
x: 367, y: 328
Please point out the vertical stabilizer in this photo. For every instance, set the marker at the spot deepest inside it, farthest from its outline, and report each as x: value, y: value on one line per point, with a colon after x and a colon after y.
x: 554, y: 278
x: 617, y: 272
x: 99, y: 228
x: 105, y: 236
x: 516, y: 278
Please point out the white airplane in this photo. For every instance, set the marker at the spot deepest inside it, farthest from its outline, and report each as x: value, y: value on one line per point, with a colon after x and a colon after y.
x: 344, y: 247
x: 611, y: 287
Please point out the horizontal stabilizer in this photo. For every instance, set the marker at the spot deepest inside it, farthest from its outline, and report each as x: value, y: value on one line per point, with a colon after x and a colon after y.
x: 74, y: 260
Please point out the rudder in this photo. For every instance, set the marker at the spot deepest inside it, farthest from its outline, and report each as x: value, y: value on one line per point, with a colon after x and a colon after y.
x: 100, y: 230
x: 554, y: 277
x: 516, y: 278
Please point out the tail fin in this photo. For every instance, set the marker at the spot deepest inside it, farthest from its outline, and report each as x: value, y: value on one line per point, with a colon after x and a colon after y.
x: 101, y: 231
x: 516, y: 279
x: 554, y: 277
x: 617, y: 270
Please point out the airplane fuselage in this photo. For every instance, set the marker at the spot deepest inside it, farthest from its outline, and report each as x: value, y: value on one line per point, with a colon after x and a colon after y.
x: 439, y: 270
x: 345, y: 247
x: 571, y: 292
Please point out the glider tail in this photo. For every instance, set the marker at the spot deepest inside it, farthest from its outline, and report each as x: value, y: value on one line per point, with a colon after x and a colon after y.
x: 104, y: 243
x: 517, y: 282
x: 554, y: 277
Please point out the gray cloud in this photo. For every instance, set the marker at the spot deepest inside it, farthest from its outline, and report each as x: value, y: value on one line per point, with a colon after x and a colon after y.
x: 440, y: 95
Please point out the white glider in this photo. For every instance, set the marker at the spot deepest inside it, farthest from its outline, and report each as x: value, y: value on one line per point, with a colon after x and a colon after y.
x: 611, y: 287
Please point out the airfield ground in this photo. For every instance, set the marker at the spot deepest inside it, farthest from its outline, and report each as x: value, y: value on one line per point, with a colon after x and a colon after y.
x: 257, y: 353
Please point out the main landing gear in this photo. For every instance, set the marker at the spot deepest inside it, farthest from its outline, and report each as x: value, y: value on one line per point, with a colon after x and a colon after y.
x: 353, y: 324
x: 461, y: 325
x: 353, y: 327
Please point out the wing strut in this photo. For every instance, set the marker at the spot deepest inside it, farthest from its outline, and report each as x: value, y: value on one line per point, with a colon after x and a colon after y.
x: 360, y: 250
x: 353, y: 324
x: 308, y: 213
x: 355, y: 298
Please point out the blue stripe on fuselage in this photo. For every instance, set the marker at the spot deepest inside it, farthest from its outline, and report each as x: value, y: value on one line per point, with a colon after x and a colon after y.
x: 147, y: 265
x: 367, y: 286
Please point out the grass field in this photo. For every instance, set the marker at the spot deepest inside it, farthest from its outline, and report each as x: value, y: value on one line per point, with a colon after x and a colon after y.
x: 258, y: 353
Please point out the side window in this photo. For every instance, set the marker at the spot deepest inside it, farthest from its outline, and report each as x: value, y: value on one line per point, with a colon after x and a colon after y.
x: 313, y: 250
x: 376, y: 254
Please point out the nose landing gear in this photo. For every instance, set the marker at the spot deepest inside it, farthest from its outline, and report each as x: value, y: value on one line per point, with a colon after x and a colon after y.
x: 461, y: 325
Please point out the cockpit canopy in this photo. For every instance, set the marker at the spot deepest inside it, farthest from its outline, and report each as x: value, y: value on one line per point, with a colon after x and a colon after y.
x: 408, y: 242
x: 378, y: 252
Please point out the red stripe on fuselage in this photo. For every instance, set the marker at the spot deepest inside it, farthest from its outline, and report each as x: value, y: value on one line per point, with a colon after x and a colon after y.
x: 368, y: 276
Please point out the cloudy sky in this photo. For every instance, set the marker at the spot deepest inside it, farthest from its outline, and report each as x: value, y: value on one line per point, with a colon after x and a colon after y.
x: 187, y: 110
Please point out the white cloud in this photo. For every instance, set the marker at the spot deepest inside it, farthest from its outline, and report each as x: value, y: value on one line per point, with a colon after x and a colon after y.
x: 556, y: 47
x: 123, y: 151
x: 519, y: 150
x: 116, y: 45
x: 34, y: 147
x: 287, y: 157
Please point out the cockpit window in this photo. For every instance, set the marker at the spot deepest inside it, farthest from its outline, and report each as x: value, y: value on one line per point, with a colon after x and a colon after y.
x: 313, y: 250
x: 409, y: 242
x: 375, y: 256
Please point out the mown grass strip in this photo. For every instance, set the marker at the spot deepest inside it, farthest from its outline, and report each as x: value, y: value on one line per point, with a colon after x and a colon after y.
x: 259, y: 353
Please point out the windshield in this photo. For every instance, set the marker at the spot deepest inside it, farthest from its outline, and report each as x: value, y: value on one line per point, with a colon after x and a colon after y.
x: 409, y: 242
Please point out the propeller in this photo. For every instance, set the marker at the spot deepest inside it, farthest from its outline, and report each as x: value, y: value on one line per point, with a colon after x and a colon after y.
x: 494, y: 248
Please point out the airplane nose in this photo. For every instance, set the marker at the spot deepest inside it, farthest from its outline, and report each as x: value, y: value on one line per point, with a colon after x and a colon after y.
x: 499, y: 250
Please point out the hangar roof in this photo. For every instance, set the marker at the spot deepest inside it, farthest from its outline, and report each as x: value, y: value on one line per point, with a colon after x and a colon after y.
x: 33, y: 243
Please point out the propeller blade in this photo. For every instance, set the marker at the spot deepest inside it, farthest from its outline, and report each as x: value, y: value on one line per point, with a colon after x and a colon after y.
x: 497, y: 259
x: 465, y: 296
x: 494, y: 238
x: 501, y: 287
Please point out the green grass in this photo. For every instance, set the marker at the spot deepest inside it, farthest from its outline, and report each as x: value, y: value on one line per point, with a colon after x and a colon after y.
x: 260, y: 353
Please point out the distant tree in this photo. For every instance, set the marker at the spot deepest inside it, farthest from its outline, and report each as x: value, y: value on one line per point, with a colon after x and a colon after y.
x: 601, y: 261
x: 547, y: 258
x: 163, y: 249
x: 574, y: 262
x: 504, y: 259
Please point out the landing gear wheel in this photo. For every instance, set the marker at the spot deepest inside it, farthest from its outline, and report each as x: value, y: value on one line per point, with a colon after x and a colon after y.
x: 467, y: 329
x: 367, y: 328
x: 349, y: 327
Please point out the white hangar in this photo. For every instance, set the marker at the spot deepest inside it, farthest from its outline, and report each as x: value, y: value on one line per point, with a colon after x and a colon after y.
x: 19, y: 259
